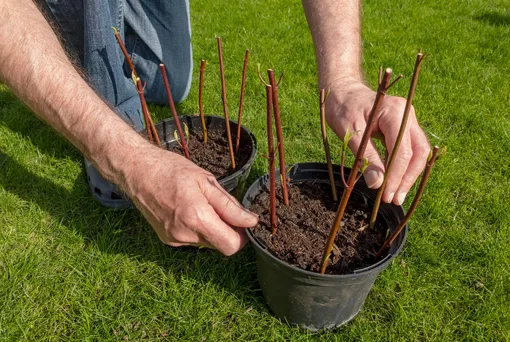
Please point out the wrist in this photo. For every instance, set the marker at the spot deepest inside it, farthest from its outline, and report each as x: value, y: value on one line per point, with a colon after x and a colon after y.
x: 343, y: 82
x: 115, y: 147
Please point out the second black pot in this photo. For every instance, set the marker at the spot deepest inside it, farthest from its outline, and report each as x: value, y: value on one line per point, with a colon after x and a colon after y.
x: 311, y: 300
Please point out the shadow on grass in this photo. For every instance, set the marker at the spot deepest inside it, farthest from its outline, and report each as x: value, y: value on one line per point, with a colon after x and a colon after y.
x: 18, y: 118
x: 127, y: 232
x: 494, y: 18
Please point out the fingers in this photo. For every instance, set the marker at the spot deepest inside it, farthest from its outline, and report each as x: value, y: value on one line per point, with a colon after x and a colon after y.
x: 374, y: 173
x: 411, y: 155
x: 227, y: 207
x: 401, y: 160
x: 216, y: 233
x: 421, y: 150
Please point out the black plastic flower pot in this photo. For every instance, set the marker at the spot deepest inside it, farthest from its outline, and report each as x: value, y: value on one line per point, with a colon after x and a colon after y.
x: 234, y: 183
x: 311, y: 300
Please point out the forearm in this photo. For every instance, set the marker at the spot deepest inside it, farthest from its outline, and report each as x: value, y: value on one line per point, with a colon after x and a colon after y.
x: 335, y: 29
x: 37, y: 70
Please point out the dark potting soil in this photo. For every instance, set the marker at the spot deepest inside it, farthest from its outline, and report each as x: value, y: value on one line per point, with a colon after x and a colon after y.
x: 214, y: 155
x: 303, y: 229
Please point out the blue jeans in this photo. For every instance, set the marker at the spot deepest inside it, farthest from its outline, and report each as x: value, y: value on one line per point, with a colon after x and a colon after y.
x: 154, y: 32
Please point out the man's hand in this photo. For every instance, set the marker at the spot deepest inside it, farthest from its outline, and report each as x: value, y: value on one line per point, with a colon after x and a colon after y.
x: 335, y: 28
x: 348, y: 106
x: 185, y: 204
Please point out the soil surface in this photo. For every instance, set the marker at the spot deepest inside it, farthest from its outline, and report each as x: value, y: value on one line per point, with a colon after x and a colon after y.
x: 214, y: 155
x: 303, y: 228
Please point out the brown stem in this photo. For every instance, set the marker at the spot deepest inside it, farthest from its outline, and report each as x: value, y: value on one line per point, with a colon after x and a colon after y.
x: 414, y: 205
x: 399, y: 77
x: 260, y: 76
x: 225, y: 109
x: 152, y: 134
x: 184, y: 144
x: 200, y: 102
x: 241, y: 101
x: 379, y: 79
x: 279, y: 135
x: 271, y: 159
x: 358, y: 178
x: 124, y: 51
x: 280, y: 79
x: 381, y: 92
x: 401, y: 131
x: 326, y: 143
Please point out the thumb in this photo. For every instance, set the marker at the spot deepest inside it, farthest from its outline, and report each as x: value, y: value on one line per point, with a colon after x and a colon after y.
x: 228, y: 208
x: 374, y: 173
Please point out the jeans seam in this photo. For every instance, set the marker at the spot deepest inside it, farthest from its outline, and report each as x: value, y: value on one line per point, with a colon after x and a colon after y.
x: 119, y: 17
x: 135, y: 45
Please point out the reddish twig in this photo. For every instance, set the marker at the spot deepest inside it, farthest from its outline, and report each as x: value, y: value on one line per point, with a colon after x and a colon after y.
x: 260, y: 76
x: 279, y: 134
x: 280, y: 79
x: 381, y: 92
x: 401, y: 131
x: 152, y: 133
x: 358, y: 177
x: 184, y: 144
x: 241, y: 100
x: 414, y: 205
x: 271, y: 159
x: 325, y: 142
x: 126, y: 54
x: 379, y: 79
x: 225, y: 109
x: 200, y: 102
x: 399, y: 77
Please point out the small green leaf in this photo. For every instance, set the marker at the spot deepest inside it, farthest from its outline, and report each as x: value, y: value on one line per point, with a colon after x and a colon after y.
x: 347, y: 137
x: 176, y: 137
x: 364, y: 165
x: 289, y: 169
x: 441, y: 153
x: 186, y: 130
x: 327, y: 94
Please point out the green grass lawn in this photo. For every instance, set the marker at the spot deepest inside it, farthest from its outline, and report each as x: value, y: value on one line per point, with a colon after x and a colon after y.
x: 70, y: 269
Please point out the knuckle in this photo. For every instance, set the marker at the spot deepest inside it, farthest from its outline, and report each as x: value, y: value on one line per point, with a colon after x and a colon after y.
x: 405, y: 154
x: 189, y: 218
x: 178, y: 237
x: 423, y: 150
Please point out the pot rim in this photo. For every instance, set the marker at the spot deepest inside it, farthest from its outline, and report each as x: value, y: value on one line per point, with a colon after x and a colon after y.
x: 381, y: 264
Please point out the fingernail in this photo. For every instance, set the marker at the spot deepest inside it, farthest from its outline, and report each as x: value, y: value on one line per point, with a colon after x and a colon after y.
x: 249, y: 214
x: 401, y: 198
x: 390, y: 197
x: 373, y: 178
